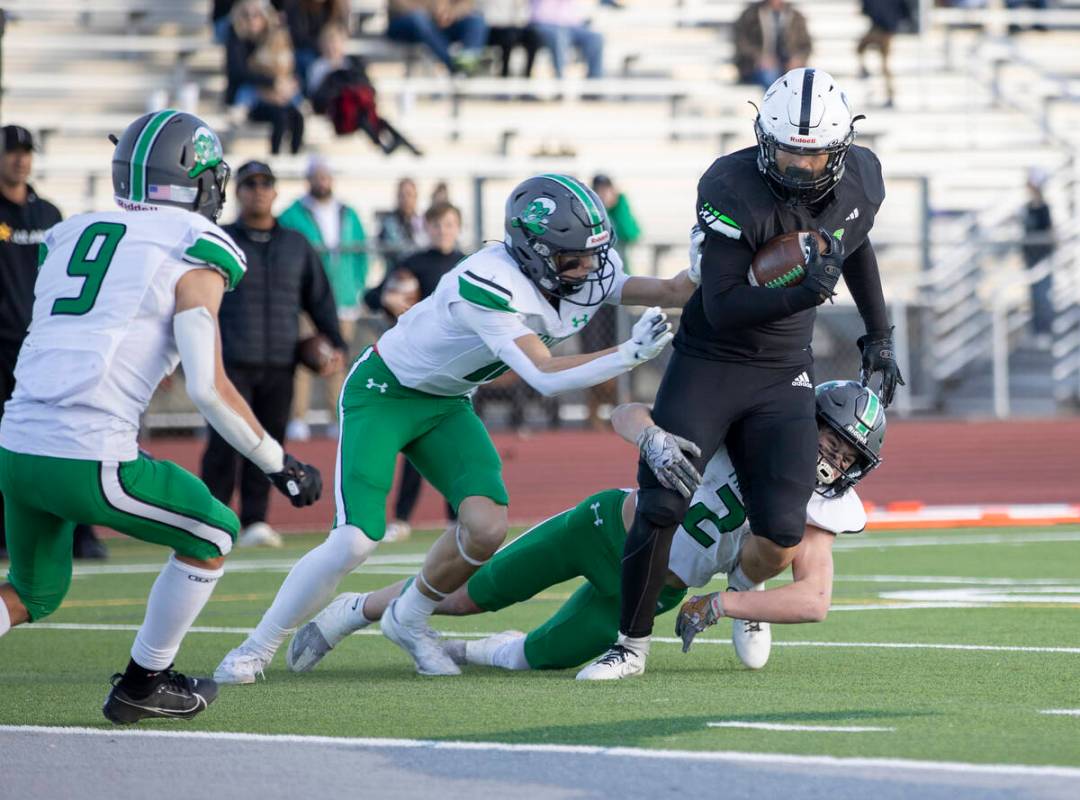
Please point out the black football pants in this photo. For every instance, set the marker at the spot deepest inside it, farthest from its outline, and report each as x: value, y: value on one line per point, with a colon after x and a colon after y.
x: 764, y: 413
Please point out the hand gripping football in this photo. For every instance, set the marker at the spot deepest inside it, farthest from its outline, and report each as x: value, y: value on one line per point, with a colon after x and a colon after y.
x: 781, y: 262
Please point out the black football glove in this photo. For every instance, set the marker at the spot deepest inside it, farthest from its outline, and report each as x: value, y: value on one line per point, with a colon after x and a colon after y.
x: 824, y: 268
x: 299, y: 482
x: 879, y: 355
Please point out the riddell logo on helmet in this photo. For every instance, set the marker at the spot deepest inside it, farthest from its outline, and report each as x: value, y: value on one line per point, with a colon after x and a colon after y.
x: 598, y: 239
x: 803, y: 140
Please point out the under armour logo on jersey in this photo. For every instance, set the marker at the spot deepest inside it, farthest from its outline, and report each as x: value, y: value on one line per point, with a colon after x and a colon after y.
x: 579, y: 321
x: 853, y: 215
x: 382, y: 387
x: 596, y: 513
x: 803, y: 380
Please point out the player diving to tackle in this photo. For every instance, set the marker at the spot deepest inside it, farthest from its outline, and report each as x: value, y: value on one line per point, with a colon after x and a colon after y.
x: 499, y: 309
x: 586, y: 541
x: 122, y: 297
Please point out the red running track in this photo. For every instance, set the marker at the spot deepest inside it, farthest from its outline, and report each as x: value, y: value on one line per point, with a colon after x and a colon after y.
x: 935, y: 463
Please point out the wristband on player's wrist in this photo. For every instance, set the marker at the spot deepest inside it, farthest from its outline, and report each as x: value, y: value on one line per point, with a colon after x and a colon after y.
x: 268, y: 455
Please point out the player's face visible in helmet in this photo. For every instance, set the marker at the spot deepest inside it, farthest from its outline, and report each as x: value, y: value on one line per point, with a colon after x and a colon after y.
x: 575, y: 267
x: 801, y: 166
x: 835, y: 455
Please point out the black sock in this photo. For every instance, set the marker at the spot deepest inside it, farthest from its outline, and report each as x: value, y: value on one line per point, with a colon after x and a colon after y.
x: 139, y: 681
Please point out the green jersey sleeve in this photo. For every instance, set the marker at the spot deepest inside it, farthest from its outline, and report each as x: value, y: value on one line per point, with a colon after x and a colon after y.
x: 215, y: 249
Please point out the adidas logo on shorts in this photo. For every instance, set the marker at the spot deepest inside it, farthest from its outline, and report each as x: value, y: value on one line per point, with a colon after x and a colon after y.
x: 803, y: 380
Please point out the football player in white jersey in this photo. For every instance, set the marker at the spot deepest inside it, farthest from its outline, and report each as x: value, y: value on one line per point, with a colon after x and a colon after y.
x: 499, y: 309
x: 586, y: 541
x: 121, y: 298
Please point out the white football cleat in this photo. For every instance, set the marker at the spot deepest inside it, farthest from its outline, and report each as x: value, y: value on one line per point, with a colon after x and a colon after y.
x: 241, y: 665
x: 618, y: 662
x: 259, y: 534
x: 423, y: 644
x: 313, y: 641
x: 752, y: 640
x: 397, y: 531
x: 481, y: 652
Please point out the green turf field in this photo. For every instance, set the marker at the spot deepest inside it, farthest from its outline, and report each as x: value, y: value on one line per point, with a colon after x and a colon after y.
x: 1015, y: 590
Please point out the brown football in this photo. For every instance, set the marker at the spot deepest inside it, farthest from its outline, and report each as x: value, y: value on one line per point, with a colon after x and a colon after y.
x: 314, y: 352
x: 781, y: 262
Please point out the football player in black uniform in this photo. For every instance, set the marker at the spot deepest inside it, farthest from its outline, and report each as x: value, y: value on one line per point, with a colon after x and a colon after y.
x: 742, y: 359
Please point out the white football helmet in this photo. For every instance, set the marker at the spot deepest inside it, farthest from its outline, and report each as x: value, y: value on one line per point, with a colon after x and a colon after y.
x: 804, y: 111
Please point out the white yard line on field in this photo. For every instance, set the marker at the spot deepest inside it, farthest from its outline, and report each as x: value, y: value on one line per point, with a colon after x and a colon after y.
x: 776, y: 726
x: 719, y: 756
x: 878, y: 542
x: 1061, y: 712
x: 992, y: 648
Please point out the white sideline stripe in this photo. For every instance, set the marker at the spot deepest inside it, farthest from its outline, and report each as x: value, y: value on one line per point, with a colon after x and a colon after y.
x: 115, y: 494
x: 991, y: 648
x: 776, y: 726
x: 1062, y: 712
x: 874, y: 541
x: 588, y: 750
x: 942, y: 579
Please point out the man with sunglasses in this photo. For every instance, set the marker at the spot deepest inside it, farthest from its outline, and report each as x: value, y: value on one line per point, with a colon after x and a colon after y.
x: 259, y: 334
x: 742, y: 370
x: 499, y: 309
x: 122, y: 298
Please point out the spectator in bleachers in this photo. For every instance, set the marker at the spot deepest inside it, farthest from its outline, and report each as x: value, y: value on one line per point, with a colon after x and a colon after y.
x: 440, y: 195
x: 771, y: 38
x: 24, y: 218
x: 259, y: 323
x: 259, y: 66
x: 401, y: 230
x: 438, y: 24
x: 335, y: 231
x: 307, y: 19
x: 508, y: 28
x: 220, y: 21
x: 340, y: 89
x: 886, y: 18
x: 562, y: 24
x: 601, y: 331
x: 1039, y: 245
x: 408, y: 283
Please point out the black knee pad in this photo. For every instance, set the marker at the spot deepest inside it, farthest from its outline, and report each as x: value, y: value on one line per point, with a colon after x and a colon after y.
x: 662, y: 508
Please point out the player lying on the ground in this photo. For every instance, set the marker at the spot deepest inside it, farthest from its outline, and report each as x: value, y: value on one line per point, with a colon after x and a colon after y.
x: 586, y: 541
x: 499, y: 309
x: 121, y: 297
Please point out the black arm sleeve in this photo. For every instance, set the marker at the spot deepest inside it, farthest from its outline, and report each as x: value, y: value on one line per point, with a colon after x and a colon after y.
x: 864, y: 282
x: 728, y: 298
x: 318, y: 299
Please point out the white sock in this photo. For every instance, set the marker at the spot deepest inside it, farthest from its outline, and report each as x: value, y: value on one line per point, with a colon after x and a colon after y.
x: 738, y: 581
x: 5, y: 618
x: 176, y: 598
x: 356, y: 611
x: 413, y: 607
x: 639, y: 646
x: 510, y: 655
x: 309, y: 586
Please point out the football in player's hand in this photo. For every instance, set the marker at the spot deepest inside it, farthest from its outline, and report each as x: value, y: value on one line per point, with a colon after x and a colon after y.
x: 314, y: 352
x: 781, y: 262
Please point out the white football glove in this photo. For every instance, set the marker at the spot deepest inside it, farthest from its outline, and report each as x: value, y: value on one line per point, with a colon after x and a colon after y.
x: 665, y: 453
x: 697, y: 244
x: 648, y: 338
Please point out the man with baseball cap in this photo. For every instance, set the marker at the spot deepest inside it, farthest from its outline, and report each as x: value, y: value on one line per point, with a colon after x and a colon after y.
x: 24, y: 218
x: 259, y: 335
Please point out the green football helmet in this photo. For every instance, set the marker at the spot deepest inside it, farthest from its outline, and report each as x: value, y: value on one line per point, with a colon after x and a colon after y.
x: 170, y: 158
x: 550, y: 219
x: 857, y: 416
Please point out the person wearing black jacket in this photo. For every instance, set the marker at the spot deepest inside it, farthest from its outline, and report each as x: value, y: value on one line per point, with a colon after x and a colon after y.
x: 742, y: 370
x: 259, y: 336
x: 395, y: 295
x: 24, y: 218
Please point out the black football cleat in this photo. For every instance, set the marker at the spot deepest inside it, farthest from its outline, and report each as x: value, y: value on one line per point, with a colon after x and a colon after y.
x: 175, y: 696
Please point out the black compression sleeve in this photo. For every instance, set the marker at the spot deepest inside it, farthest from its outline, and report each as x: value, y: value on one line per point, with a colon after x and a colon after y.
x: 729, y: 301
x: 864, y: 282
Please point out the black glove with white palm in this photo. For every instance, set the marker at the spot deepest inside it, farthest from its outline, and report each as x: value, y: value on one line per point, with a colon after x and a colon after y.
x: 665, y: 453
x: 879, y: 355
x: 300, y: 482
x: 648, y: 338
x: 824, y: 267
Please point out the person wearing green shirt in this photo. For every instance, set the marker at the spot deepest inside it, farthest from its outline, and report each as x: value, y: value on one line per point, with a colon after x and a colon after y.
x: 335, y: 231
